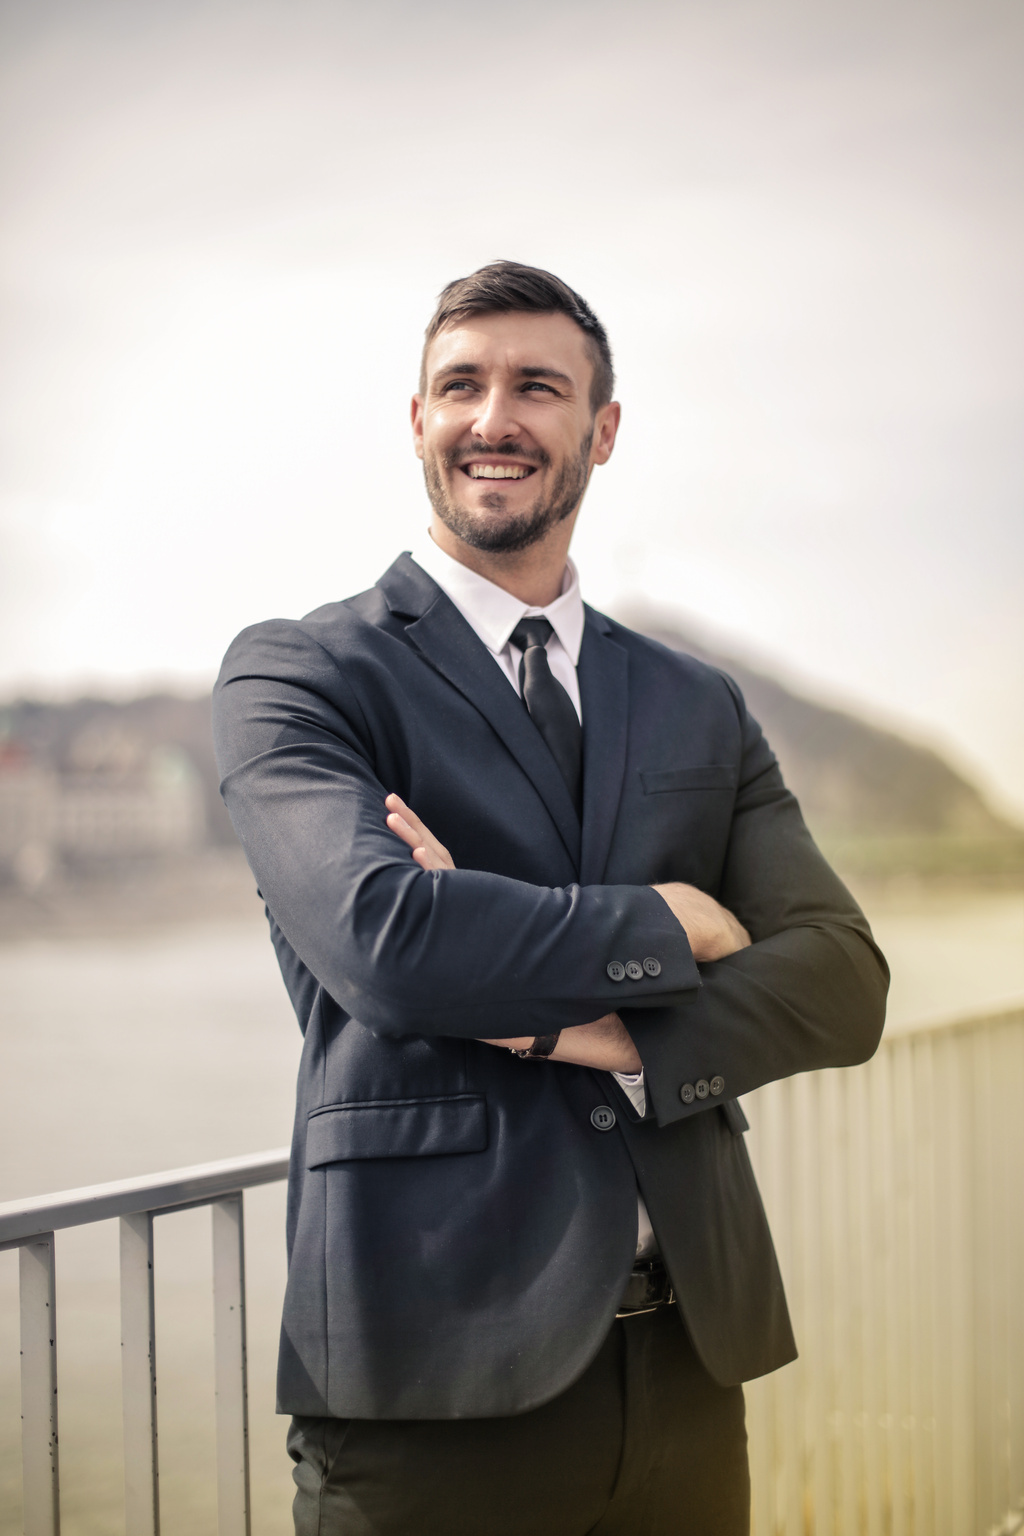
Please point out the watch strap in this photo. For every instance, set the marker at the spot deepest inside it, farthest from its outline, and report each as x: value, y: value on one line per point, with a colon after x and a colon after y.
x: 542, y: 1047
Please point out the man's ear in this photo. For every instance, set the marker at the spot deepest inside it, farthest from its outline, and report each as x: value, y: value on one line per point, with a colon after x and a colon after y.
x: 417, y: 425
x: 606, y: 426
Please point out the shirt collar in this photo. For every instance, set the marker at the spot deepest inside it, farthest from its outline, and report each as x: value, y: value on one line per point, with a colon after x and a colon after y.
x: 494, y: 613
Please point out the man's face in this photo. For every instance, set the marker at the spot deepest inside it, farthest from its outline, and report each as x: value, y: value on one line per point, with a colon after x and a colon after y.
x: 505, y: 429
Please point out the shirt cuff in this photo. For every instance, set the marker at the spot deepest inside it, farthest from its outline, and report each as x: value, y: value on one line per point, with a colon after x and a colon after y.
x: 632, y: 1085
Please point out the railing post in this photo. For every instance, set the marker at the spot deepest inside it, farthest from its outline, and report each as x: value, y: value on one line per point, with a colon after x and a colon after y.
x: 230, y: 1357
x: 39, y: 1386
x: 138, y: 1377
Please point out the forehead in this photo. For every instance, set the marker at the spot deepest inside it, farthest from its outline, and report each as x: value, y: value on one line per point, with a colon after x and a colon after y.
x: 509, y: 342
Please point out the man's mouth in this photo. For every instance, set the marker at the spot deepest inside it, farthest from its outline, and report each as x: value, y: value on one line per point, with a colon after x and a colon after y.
x: 497, y: 471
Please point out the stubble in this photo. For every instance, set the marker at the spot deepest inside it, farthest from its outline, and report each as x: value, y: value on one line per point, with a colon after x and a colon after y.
x: 503, y: 535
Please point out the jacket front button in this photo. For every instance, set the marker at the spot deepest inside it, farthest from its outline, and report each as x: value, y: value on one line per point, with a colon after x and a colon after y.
x: 634, y: 971
x: 602, y: 1118
x: 616, y: 970
x: 702, y: 1088
x: 652, y: 966
x: 687, y: 1093
x: 717, y: 1084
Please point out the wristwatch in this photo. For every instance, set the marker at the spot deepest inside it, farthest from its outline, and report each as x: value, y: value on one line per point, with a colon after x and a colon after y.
x: 542, y: 1046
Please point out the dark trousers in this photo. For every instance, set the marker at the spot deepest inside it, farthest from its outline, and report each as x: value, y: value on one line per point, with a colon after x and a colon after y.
x: 643, y: 1444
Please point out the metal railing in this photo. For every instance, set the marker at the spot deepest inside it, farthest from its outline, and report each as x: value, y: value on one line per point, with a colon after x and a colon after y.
x: 895, y: 1194
x: 896, y: 1197
x: 30, y: 1225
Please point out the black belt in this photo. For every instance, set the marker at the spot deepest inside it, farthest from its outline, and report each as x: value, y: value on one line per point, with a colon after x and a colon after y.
x: 648, y: 1287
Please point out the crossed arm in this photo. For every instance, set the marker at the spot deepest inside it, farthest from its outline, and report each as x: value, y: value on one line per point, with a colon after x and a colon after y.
x: 713, y: 932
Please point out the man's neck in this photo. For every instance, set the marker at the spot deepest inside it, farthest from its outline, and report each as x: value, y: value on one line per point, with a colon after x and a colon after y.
x: 533, y: 575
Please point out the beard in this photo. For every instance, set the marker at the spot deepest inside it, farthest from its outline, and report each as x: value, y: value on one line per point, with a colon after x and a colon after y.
x: 503, y: 535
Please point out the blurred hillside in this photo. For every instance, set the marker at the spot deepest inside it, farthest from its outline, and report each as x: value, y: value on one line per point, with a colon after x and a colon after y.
x: 123, y: 798
x: 878, y: 804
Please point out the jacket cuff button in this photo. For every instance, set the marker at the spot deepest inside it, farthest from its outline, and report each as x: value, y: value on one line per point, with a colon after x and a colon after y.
x: 633, y: 971
x: 702, y: 1088
x: 652, y: 966
x: 717, y: 1085
x: 687, y: 1093
x: 616, y: 970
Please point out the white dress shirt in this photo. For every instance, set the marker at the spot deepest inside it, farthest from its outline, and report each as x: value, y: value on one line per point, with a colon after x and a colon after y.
x: 493, y: 614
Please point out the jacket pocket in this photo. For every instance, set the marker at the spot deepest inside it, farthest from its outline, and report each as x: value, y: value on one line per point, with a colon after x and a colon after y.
x: 396, y: 1128
x: 657, y: 781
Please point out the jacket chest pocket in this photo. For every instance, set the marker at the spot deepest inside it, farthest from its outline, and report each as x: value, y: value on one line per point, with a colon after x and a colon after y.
x: 340, y: 1133
x: 675, y: 825
x: 662, y: 781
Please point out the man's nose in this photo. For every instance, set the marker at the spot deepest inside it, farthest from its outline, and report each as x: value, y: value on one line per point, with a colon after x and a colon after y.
x: 495, y: 418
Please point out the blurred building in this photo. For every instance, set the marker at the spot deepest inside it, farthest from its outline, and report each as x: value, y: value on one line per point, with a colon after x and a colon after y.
x: 116, y: 798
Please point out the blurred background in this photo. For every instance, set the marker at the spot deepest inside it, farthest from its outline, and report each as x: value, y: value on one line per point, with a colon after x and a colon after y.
x: 224, y: 226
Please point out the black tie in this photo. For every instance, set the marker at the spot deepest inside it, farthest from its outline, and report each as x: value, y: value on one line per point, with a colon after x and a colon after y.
x: 550, y: 707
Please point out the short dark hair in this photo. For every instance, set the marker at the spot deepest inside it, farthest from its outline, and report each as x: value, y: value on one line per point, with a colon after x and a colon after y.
x: 509, y: 287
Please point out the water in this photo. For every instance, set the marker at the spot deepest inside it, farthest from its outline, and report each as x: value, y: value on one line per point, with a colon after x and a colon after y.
x: 128, y: 1055
x: 952, y: 953
x: 121, y: 1057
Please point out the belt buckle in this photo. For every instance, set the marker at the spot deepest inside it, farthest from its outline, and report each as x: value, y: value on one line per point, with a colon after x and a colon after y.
x: 649, y: 1269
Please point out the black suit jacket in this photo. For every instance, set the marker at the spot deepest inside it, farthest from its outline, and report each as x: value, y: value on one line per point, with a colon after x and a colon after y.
x: 459, y: 1230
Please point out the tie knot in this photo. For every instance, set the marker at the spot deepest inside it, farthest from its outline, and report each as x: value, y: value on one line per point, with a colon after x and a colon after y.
x: 531, y: 632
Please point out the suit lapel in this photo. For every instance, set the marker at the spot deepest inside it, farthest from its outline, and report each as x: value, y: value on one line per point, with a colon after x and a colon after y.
x: 449, y: 644
x: 604, y: 691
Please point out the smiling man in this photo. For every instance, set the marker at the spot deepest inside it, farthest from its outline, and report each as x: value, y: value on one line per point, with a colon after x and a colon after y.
x: 535, y: 434
x: 544, y: 908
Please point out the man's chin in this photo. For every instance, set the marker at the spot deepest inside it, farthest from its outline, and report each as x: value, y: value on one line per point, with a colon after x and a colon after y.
x: 490, y: 501
x: 492, y: 527
x: 509, y: 498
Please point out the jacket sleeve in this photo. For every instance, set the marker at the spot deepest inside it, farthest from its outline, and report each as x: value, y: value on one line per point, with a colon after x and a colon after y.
x: 808, y: 993
x: 453, y: 952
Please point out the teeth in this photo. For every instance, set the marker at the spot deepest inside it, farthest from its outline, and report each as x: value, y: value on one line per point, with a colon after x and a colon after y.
x: 498, y: 472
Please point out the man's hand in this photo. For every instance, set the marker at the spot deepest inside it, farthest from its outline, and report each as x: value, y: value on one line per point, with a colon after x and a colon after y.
x: 712, y: 930
x: 604, y: 1045
x: 426, y: 850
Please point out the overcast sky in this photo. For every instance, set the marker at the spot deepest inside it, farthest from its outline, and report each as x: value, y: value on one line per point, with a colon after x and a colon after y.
x: 224, y: 225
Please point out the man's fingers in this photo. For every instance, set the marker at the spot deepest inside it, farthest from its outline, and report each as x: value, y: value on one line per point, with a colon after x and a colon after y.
x: 714, y: 932
x: 398, y: 824
x: 397, y: 806
x: 426, y: 850
x: 409, y: 826
x: 425, y: 857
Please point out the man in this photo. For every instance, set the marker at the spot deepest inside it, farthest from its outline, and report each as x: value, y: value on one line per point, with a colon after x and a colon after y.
x: 523, y: 1293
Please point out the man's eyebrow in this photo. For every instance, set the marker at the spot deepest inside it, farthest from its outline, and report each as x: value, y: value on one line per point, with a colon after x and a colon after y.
x: 456, y: 368
x: 530, y: 372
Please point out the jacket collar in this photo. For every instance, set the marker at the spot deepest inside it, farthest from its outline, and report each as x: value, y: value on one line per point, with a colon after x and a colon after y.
x: 448, y: 643
x: 408, y: 590
x: 494, y: 613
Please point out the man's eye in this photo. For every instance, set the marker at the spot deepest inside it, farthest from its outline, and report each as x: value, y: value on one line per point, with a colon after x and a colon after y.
x: 459, y: 384
x: 536, y: 384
